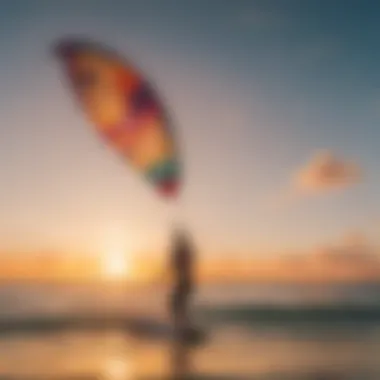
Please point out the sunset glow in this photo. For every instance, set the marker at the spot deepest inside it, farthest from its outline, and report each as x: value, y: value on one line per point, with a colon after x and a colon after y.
x: 117, y: 265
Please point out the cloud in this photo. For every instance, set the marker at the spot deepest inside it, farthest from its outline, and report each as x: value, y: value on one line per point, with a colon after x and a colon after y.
x: 325, y: 172
x: 354, y: 250
x: 352, y: 258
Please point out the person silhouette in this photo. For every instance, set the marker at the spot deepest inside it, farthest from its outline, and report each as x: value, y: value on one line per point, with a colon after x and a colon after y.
x: 182, y: 268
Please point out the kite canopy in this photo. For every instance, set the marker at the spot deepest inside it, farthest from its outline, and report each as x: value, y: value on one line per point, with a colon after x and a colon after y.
x: 124, y: 109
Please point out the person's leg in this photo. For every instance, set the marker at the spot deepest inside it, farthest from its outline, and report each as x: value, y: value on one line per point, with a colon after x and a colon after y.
x: 180, y: 311
x: 180, y: 361
x: 176, y: 312
x: 186, y: 310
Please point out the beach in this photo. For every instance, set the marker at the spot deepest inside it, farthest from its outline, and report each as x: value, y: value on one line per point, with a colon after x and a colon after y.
x: 254, y: 332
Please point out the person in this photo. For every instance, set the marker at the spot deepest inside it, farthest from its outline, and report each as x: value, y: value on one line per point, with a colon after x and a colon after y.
x: 182, y: 269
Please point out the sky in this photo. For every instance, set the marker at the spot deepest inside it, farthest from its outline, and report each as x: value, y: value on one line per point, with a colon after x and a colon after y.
x: 277, y: 105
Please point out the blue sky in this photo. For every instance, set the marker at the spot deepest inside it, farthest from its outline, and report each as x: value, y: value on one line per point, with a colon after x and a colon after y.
x: 256, y: 88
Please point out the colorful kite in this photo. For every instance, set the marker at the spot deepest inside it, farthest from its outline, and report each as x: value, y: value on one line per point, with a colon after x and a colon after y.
x: 124, y: 109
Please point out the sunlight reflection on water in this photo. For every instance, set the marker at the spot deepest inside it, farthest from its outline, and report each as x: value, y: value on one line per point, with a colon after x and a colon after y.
x: 115, y: 356
x: 118, y: 369
x: 238, y: 344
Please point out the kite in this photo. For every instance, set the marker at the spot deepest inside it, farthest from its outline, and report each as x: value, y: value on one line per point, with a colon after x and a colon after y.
x: 125, y: 110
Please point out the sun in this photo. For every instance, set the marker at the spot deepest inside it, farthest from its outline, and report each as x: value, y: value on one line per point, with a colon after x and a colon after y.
x: 117, y: 265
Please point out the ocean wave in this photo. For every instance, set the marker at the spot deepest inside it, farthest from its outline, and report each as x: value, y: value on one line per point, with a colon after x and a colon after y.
x: 342, y: 315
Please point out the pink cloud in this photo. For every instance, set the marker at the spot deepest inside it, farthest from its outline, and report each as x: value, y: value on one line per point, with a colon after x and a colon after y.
x: 322, y: 173
x: 325, y: 172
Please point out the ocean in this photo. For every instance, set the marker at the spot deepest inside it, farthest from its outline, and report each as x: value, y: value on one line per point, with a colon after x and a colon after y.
x: 263, y: 332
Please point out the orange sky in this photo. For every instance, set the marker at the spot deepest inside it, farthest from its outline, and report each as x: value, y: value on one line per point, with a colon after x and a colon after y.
x: 350, y: 260
x: 280, y: 149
